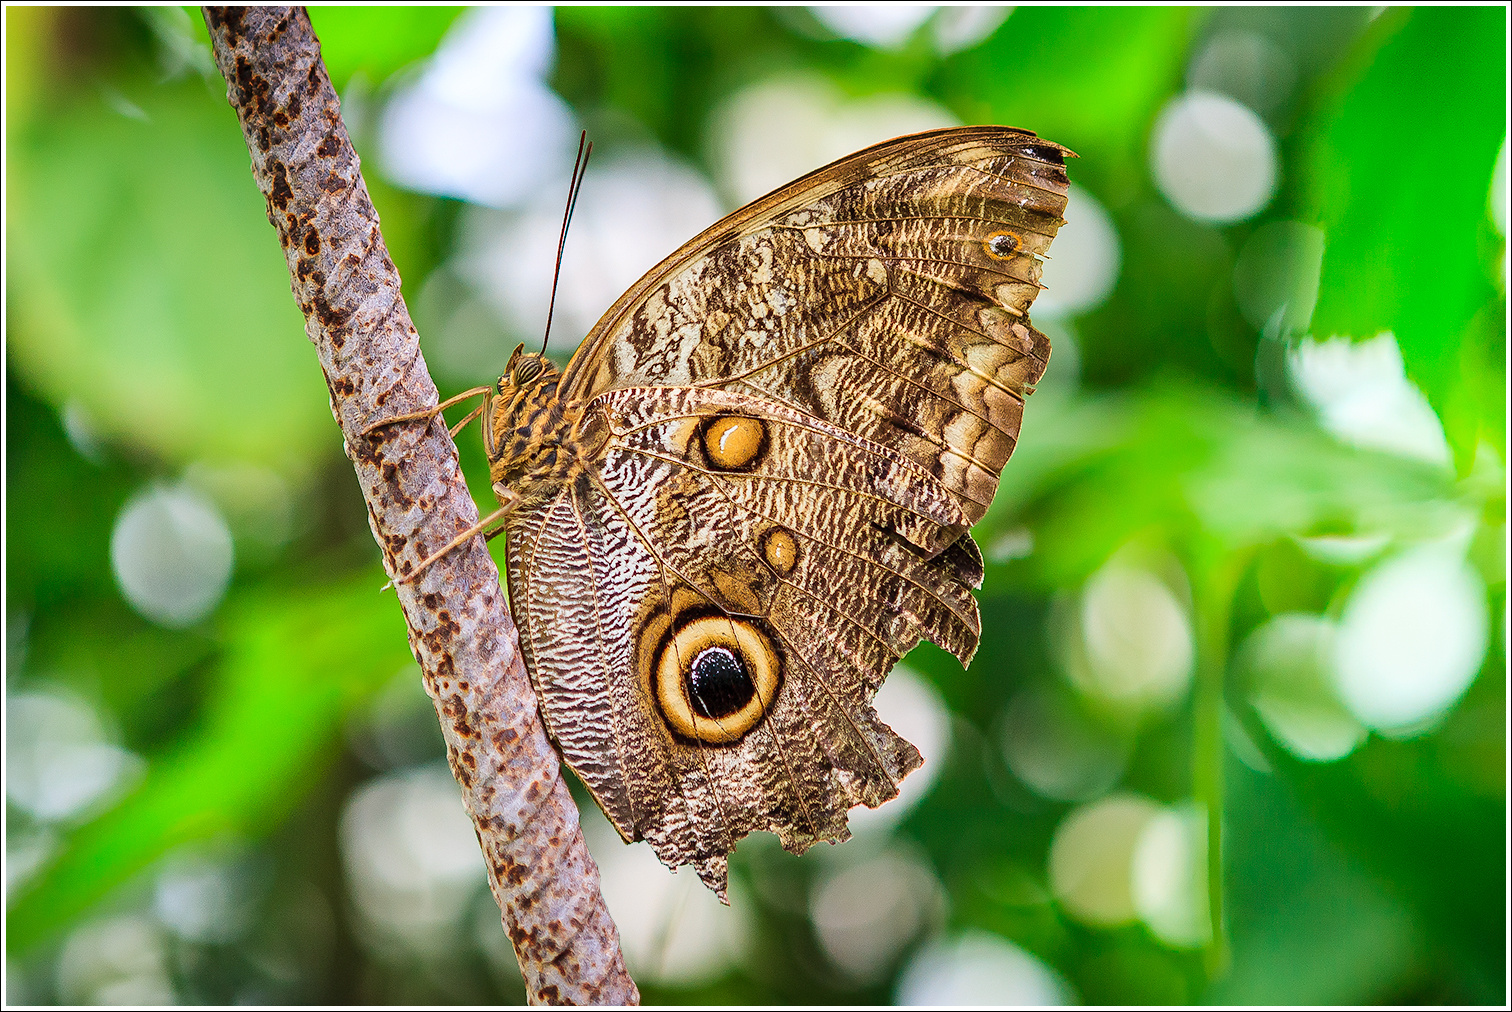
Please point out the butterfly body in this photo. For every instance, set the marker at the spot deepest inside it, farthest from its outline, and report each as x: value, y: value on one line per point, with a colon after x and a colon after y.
x: 750, y: 492
x: 536, y: 442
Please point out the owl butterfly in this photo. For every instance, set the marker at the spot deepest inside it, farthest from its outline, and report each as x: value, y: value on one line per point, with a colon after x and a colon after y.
x: 750, y: 491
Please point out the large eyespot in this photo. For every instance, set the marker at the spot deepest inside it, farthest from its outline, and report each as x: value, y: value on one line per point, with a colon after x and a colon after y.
x: 1002, y: 245
x: 733, y: 443
x: 715, y: 678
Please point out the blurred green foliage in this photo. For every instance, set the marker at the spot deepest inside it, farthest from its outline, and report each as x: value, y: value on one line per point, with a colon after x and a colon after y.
x: 148, y: 309
x: 1407, y: 246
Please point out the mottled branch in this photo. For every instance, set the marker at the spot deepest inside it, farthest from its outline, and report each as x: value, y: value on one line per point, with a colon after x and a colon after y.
x: 541, y: 873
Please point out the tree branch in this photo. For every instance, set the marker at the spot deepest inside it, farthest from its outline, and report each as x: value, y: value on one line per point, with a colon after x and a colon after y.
x: 460, y: 631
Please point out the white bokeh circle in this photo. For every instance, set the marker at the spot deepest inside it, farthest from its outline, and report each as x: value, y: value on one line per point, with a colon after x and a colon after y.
x: 635, y: 207
x: 978, y: 968
x: 1213, y: 158
x: 1092, y: 858
x: 172, y: 555
x: 778, y: 129
x: 1411, y: 639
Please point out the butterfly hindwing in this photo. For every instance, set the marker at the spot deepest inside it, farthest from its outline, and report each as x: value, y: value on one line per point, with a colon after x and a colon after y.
x: 666, y: 535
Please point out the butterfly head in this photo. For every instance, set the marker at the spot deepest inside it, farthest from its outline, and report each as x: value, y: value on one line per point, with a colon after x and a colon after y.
x: 525, y: 392
x: 526, y: 369
x: 534, y: 442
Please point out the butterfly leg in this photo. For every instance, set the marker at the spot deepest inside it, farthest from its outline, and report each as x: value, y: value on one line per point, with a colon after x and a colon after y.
x: 478, y: 528
x: 474, y: 413
x: 415, y: 416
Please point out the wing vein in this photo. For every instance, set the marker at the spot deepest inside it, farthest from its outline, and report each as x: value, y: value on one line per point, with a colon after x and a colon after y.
x: 720, y: 487
x: 662, y: 564
x: 912, y: 217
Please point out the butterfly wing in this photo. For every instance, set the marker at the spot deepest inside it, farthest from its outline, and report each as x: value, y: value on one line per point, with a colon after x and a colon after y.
x: 887, y: 293
x: 809, y: 555
x: 805, y: 409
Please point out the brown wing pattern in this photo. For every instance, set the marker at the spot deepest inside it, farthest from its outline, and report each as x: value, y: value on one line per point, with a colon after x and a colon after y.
x: 887, y: 293
x: 786, y: 431
x: 660, y: 538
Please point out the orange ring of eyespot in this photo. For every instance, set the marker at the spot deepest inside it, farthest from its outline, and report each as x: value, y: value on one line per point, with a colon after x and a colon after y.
x: 1018, y: 244
x: 686, y: 643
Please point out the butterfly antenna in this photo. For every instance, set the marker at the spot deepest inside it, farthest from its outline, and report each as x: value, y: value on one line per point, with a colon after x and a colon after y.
x: 579, y: 170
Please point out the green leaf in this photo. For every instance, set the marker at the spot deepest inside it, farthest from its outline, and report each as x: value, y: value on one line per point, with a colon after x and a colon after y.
x: 377, y: 41
x: 148, y: 287
x: 1397, y: 173
x: 295, y: 665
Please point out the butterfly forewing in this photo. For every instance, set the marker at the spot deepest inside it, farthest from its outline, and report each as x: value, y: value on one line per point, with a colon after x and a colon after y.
x: 796, y: 419
x: 887, y: 293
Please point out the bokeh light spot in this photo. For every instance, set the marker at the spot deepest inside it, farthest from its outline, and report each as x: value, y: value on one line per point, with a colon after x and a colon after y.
x: 777, y: 130
x: 1411, y: 639
x: 634, y: 209
x: 478, y: 122
x: 881, y: 26
x: 411, y: 859
x: 1092, y: 856
x: 59, y: 761
x: 1135, y: 650
x: 1170, y: 878
x: 1288, y: 666
x: 117, y: 961
x: 864, y: 914
x: 172, y: 555
x: 1362, y: 396
x: 206, y: 898
x: 978, y: 968
x: 959, y: 28
x: 1213, y: 158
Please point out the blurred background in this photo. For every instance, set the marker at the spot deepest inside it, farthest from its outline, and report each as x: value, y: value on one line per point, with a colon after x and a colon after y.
x: 1237, y: 729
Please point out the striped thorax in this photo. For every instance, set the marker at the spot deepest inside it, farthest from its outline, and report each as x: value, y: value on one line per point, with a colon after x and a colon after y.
x: 536, y: 443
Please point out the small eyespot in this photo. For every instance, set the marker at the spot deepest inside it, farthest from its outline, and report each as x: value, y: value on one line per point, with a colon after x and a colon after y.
x: 1002, y: 245
x: 780, y: 549
x: 733, y: 443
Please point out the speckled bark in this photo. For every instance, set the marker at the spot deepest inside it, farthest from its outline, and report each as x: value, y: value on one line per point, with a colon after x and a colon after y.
x: 541, y: 873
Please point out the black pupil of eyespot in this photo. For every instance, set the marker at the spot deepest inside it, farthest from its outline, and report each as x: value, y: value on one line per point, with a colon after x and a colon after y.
x: 718, y: 684
x: 1002, y: 245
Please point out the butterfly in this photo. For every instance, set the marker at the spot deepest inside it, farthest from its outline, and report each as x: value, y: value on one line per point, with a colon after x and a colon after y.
x: 751, y: 489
